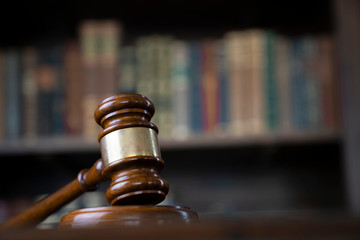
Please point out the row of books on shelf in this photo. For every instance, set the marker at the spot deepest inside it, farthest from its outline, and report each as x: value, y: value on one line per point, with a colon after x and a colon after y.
x: 251, y: 81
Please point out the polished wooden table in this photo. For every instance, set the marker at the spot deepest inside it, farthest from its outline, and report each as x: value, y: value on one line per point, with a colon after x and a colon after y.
x: 255, y: 228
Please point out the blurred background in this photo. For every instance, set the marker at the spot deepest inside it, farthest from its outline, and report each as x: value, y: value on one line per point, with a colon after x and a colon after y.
x: 257, y: 102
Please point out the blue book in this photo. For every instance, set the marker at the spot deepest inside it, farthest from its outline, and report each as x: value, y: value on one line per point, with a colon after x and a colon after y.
x: 12, y: 82
x: 58, y: 120
x: 312, y: 81
x: 298, y: 85
x: 195, y: 74
x: 51, y: 92
x: 224, y: 114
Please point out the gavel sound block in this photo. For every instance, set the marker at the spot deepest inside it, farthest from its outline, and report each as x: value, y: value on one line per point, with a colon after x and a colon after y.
x: 131, y: 159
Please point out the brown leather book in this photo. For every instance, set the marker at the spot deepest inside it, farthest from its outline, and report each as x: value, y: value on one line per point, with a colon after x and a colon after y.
x: 99, y: 41
x: 74, y: 88
x: 210, y: 85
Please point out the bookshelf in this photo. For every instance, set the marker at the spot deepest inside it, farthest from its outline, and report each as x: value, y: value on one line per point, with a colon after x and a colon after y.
x: 60, y: 145
x: 273, y: 154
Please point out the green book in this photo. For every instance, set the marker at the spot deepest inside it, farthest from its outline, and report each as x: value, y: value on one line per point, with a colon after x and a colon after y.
x: 127, y: 73
x: 13, y: 107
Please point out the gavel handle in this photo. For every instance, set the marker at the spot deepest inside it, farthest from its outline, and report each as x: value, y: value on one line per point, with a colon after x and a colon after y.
x: 87, y: 180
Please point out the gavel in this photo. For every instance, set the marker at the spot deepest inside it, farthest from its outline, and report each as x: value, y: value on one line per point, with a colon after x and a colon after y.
x: 131, y: 159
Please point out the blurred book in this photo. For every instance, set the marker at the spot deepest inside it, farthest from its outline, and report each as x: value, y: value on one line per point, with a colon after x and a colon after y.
x: 29, y: 92
x: 180, y: 89
x: 50, y: 98
x: 100, y: 41
x: 12, y: 95
x: 74, y: 85
x: 127, y: 70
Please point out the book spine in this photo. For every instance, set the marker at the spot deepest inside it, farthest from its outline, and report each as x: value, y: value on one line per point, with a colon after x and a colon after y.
x: 223, y: 76
x: 180, y: 83
x: 29, y: 91
x: 312, y: 83
x: 153, y: 82
x: 330, y: 94
x: 256, y: 78
x: 127, y: 70
x: 12, y: 95
x: 58, y: 107
x: 44, y: 104
x: 246, y: 81
x: 145, y: 84
x: 283, y: 77
x: 74, y: 89
x: 46, y: 76
x: 270, y: 82
x: 89, y: 43
x: 195, y: 88
x: 164, y: 85
x: 336, y: 103
x: 209, y: 85
x: 109, y: 40
x: 298, y: 93
x: 234, y: 42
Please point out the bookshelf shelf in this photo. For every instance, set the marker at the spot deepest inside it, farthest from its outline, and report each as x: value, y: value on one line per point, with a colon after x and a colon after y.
x: 189, y: 22
x: 59, y: 145
x: 50, y: 145
x: 219, y: 142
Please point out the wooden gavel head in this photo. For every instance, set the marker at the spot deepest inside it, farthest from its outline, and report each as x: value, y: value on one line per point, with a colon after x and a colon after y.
x: 130, y: 150
x: 131, y: 159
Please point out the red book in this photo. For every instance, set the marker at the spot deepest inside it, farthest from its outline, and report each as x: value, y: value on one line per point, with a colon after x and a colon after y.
x: 330, y: 90
x: 210, y: 86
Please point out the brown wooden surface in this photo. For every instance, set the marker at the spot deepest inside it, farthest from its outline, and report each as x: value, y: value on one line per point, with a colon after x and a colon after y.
x: 136, y: 215
x: 86, y: 181
x: 329, y: 227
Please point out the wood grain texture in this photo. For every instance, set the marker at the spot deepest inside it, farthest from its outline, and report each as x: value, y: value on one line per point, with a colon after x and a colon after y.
x: 135, y: 179
x: 326, y: 227
x: 124, y: 111
x: 134, y: 215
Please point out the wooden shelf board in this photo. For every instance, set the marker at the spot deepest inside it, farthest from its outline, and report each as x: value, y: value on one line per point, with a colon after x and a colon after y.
x: 208, y: 141
x: 58, y: 145
x: 48, y: 145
